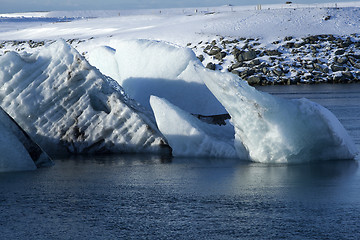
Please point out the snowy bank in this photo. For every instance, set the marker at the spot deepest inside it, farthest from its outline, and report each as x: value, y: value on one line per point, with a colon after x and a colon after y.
x: 66, y: 105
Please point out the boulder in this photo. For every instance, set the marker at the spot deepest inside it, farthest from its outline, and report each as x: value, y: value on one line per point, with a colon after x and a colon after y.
x: 273, y: 53
x: 211, y: 66
x: 247, y: 55
x: 339, y: 52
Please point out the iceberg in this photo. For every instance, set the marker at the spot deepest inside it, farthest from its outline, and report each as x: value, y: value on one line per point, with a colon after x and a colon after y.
x: 18, y: 151
x: 144, y: 68
x: 190, y: 137
x: 279, y: 130
x: 67, y: 105
x: 266, y: 128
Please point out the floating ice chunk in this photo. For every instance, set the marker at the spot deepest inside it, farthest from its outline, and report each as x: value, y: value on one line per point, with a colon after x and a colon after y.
x: 278, y: 130
x: 18, y: 151
x: 66, y: 105
x: 190, y: 137
x: 147, y: 68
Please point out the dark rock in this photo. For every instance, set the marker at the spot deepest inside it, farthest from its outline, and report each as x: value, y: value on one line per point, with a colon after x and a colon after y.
x: 219, y: 56
x: 254, y: 80
x: 299, y: 44
x: 201, y: 57
x: 234, y: 66
x: 331, y: 37
x: 255, y: 62
x: 340, y: 79
x: 214, y: 50
x: 342, y: 60
x: 339, y: 52
x: 230, y: 41
x: 356, y: 56
x: 336, y: 68
x: 352, y: 61
x: 273, y: 53
x: 246, y: 55
x: 247, y: 73
x: 207, y: 48
x: 211, y: 66
x: 289, y: 45
x: 348, y: 75
x: 357, y: 65
x: 278, y: 72
x: 214, y: 119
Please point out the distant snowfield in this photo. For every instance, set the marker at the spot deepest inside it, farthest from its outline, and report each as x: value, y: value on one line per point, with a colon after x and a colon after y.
x: 181, y: 26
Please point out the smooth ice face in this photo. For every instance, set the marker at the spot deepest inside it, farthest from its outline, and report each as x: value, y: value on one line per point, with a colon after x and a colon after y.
x: 279, y: 130
x: 13, y: 153
x: 190, y: 137
x: 66, y: 105
x: 13, y: 147
x: 146, y: 68
x: 14, y: 156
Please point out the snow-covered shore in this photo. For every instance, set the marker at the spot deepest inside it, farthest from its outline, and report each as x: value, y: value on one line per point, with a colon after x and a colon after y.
x: 279, y: 35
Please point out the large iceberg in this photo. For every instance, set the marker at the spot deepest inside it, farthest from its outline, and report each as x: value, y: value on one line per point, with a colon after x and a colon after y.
x: 66, y: 105
x: 266, y: 128
x: 279, y: 130
x: 144, y: 68
x: 18, y: 151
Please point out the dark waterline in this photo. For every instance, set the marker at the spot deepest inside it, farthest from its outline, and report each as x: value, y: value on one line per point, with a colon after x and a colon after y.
x: 149, y: 197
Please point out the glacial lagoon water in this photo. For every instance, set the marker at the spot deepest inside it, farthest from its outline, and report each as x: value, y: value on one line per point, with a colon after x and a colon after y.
x: 150, y: 197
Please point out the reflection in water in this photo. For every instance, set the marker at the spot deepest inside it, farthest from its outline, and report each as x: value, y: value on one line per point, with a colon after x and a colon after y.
x: 139, y: 196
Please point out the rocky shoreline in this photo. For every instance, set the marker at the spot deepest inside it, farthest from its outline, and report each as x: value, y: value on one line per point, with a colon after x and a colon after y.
x: 312, y: 59
x: 309, y: 60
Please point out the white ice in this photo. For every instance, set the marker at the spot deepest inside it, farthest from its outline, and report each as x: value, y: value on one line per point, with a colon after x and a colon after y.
x: 270, y: 128
x: 190, y: 137
x: 144, y: 68
x: 278, y: 130
x: 66, y: 105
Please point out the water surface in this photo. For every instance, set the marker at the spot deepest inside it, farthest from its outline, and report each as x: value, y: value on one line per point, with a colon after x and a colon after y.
x: 149, y: 197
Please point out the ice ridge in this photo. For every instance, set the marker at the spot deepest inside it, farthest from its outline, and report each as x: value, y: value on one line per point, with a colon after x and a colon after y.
x: 66, y: 105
